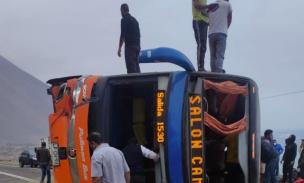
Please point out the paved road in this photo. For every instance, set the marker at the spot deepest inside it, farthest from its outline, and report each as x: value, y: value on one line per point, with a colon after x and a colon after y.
x: 15, y: 174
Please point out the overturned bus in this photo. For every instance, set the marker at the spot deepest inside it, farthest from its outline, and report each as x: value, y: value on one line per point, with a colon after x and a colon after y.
x: 185, y: 116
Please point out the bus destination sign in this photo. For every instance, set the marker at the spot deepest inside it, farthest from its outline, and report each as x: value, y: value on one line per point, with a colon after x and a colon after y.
x: 197, y: 139
x: 160, y: 110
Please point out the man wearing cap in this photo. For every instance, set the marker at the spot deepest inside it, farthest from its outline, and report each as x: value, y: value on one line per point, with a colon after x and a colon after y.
x: 280, y: 150
x: 301, y: 161
x: 289, y: 158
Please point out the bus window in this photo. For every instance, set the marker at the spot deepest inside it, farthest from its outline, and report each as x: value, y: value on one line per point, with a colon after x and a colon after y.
x: 219, y: 109
x: 61, y: 92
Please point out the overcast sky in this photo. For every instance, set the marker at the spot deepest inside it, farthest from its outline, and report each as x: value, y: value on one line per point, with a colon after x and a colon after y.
x: 55, y: 38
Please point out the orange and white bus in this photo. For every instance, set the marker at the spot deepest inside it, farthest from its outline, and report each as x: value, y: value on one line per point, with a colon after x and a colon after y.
x: 183, y: 115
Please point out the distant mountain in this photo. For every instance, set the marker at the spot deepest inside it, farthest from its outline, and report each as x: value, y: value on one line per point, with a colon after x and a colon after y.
x: 24, y: 106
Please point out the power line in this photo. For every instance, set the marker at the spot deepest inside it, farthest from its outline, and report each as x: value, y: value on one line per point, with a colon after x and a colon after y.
x: 282, y: 95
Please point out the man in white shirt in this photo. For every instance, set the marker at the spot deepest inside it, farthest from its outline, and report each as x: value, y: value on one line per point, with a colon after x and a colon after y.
x: 108, y: 164
x: 135, y: 155
x: 220, y: 19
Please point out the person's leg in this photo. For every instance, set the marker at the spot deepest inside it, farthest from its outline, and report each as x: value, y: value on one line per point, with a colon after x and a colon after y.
x: 261, y: 177
x: 267, y: 175
x: 130, y: 54
x: 262, y: 171
x: 200, y: 31
x: 212, y: 48
x: 278, y: 167
x: 48, y: 171
x: 274, y: 163
x: 43, y: 170
x: 220, y: 51
x: 136, y: 59
x: 290, y: 171
x: 138, y: 179
x: 285, y: 171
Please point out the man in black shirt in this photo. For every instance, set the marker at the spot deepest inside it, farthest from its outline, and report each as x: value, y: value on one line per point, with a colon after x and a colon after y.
x: 289, y: 158
x: 130, y: 35
x: 44, y: 158
x: 135, y: 155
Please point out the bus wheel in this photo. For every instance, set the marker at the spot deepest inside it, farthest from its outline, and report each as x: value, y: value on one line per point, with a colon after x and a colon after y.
x: 21, y: 164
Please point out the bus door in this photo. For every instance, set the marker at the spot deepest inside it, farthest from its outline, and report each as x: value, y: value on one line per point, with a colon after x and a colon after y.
x: 135, y: 106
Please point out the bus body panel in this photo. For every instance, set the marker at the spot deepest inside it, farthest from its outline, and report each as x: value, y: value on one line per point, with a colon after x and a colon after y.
x: 59, y: 124
x: 254, y: 134
x: 81, y: 132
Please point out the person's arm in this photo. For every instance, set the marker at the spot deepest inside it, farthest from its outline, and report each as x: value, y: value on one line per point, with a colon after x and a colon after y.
x: 38, y: 156
x: 96, y: 170
x: 294, y: 153
x: 229, y: 18
x: 96, y: 180
x: 126, y: 169
x: 49, y: 156
x: 127, y: 177
x: 149, y: 154
x: 200, y: 6
x: 281, y: 149
x: 301, y: 159
x: 122, y: 36
x: 283, y: 158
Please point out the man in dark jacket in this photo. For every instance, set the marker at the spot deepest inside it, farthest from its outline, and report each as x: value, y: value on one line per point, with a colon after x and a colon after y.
x: 44, y: 158
x: 130, y: 35
x: 135, y: 155
x: 301, y: 162
x: 269, y: 155
x: 289, y: 158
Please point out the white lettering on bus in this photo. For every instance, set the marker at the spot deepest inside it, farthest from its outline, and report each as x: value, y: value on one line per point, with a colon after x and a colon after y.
x: 84, y: 167
x: 85, y: 171
x: 81, y: 144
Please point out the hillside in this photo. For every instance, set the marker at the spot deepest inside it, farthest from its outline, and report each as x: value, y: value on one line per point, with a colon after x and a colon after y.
x: 24, y: 106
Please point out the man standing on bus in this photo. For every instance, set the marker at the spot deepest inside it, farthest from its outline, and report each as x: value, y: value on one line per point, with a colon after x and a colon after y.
x: 220, y: 19
x: 44, y: 158
x: 135, y: 155
x: 130, y: 35
x: 200, y: 27
x: 108, y: 164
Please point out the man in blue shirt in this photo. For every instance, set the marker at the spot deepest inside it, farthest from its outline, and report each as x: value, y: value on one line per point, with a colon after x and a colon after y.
x: 280, y: 150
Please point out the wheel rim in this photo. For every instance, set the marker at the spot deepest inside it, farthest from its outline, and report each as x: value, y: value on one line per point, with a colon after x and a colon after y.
x: 20, y: 163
